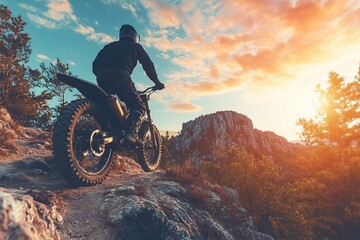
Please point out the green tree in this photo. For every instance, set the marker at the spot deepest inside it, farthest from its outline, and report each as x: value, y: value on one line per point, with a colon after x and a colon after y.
x: 53, y: 86
x: 14, y: 52
x: 15, y: 77
x: 338, y: 114
x: 167, y: 153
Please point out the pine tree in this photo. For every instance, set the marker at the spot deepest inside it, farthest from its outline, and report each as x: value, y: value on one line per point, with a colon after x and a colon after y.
x: 338, y: 115
x: 53, y: 86
x: 15, y: 50
x: 16, y: 79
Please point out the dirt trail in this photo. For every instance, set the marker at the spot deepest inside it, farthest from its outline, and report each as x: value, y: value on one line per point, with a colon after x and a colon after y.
x: 31, y: 172
x: 37, y: 203
x: 82, y: 218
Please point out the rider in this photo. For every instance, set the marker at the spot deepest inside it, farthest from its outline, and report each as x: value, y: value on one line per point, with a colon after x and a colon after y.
x: 113, y: 66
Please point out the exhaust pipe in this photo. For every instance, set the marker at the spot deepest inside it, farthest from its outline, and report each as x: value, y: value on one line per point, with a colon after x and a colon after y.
x: 115, y: 106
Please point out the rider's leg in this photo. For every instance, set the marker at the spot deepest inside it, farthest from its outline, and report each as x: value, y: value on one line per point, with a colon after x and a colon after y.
x: 137, y: 110
x: 125, y: 89
x: 134, y: 123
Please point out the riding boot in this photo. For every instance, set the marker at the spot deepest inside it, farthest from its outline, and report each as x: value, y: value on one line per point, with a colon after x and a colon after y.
x: 134, y: 122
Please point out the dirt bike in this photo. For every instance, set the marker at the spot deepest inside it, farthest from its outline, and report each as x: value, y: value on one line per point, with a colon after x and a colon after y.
x: 88, y: 131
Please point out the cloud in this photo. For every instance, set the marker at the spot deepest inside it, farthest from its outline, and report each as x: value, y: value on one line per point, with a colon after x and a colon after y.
x: 124, y: 4
x: 71, y: 63
x: 42, y: 57
x: 28, y: 7
x: 100, y: 37
x: 183, y: 107
x: 42, y: 22
x: 219, y: 46
x: 60, y: 10
x: 163, y: 14
x: 214, y: 71
x: 85, y: 30
x: 129, y: 6
x: 60, y: 14
x: 90, y: 34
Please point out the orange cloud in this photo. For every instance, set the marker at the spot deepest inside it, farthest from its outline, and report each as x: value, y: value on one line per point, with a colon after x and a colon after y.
x: 230, y: 42
x: 183, y: 107
x: 214, y: 71
x: 162, y: 14
x: 60, y: 9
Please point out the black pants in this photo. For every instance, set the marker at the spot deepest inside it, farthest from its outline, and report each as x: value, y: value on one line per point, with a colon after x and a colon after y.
x: 122, y: 85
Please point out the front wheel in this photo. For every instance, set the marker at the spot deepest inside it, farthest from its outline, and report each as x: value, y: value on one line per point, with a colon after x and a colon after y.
x: 79, y: 152
x: 149, y: 155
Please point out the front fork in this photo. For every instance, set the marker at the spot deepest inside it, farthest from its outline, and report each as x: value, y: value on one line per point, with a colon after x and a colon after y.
x: 153, y: 138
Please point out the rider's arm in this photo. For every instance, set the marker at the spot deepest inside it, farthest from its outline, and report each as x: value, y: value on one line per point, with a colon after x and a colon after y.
x: 147, y: 64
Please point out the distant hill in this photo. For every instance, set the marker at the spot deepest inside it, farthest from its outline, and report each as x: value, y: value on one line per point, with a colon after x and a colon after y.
x: 171, y: 133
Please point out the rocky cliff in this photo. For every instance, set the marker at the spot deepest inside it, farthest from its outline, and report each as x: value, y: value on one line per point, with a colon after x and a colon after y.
x: 201, y: 138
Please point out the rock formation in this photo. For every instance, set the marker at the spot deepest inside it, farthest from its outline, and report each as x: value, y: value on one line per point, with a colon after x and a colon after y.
x: 202, y: 137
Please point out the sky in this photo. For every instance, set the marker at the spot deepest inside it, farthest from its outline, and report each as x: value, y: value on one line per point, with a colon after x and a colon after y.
x: 261, y: 58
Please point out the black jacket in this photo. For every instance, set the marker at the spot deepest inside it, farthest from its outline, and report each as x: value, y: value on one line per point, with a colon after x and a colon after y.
x: 122, y: 56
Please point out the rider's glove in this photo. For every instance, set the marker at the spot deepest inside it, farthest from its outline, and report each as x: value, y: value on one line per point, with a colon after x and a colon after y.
x: 159, y: 85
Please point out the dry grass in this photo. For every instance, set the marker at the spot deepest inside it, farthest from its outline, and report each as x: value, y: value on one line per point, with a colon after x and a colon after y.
x: 13, y: 125
x: 197, y: 196
x: 186, y: 173
x: 192, y: 180
x: 6, y: 144
x: 3, y: 153
x: 7, y: 132
x: 4, y: 136
x: 10, y: 145
x: 119, y: 163
x: 8, y: 119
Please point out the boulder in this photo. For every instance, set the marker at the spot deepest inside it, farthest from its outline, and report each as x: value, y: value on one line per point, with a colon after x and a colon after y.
x: 23, y: 218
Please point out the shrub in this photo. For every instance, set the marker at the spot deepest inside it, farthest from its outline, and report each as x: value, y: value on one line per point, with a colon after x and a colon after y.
x: 5, y: 142
x: 4, y: 136
x: 264, y: 192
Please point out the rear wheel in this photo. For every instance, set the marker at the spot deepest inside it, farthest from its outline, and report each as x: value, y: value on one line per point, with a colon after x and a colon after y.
x: 149, y: 155
x: 79, y: 152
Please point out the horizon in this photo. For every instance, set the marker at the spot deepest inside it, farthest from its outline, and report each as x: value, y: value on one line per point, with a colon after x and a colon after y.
x: 262, y: 59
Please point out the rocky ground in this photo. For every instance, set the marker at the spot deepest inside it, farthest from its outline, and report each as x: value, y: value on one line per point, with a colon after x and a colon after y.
x: 37, y: 203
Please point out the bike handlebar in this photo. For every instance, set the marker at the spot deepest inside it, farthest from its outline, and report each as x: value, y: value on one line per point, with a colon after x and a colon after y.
x: 149, y: 90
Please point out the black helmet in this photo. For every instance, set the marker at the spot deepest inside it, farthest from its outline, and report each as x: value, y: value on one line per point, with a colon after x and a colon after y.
x: 127, y: 30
